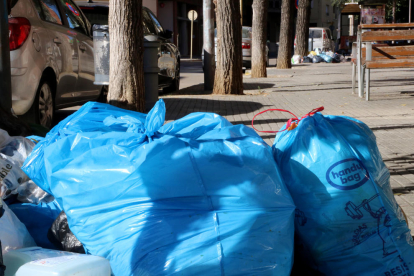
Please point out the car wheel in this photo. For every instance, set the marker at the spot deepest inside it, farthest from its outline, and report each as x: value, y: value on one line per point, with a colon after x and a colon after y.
x: 175, y: 85
x: 43, y: 106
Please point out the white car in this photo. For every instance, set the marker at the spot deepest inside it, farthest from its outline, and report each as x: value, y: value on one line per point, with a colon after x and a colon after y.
x: 246, y: 48
x: 322, y: 39
x: 52, y: 61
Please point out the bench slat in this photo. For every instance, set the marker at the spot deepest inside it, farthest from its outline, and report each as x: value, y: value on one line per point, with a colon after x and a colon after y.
x: 393, y: 63
x: 386, y: 26
x: 390, y: 52
x: 387, y: 35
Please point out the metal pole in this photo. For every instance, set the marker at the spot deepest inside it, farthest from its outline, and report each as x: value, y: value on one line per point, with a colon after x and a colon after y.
x: 5, y: 75
x: 209, y: 45
x: 192, y: 21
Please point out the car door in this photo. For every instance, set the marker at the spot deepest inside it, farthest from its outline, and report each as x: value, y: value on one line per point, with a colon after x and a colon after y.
x: 166, y: 55
x: 85, y: 88
x: 61, y: 48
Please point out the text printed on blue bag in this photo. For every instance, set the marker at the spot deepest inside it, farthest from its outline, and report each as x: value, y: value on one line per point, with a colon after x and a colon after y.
x: 347, y: 174
x: 401, y: 270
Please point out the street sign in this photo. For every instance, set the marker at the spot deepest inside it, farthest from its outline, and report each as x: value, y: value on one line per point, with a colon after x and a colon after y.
x: 192, y: 15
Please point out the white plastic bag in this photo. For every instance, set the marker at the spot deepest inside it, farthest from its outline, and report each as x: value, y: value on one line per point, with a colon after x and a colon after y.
x: 296, y: 59
x: 13, y: 233
x: 11, y: 176
x: 16, y: 148
x: 13, y: 152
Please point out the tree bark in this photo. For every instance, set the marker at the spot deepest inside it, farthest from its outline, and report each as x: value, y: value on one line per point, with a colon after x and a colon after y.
x: 285, y: 45
x: 302, y: 28
x: 229, y: 75
x: 259, y: 55
x: 126, y: 73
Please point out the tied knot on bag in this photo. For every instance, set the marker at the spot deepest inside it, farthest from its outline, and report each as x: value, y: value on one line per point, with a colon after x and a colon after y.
x: 291, y: 123
x: 154, y: 121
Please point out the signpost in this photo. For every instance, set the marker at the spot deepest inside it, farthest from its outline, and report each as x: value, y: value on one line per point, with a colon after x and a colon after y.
x: 5, y: 74
x: 192, y: 15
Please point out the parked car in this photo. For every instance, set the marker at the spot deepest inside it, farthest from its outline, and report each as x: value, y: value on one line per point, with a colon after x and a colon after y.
x: 168, y: 56
x: 322, y: 39
x: 52, y: 61
x: 246, y: 48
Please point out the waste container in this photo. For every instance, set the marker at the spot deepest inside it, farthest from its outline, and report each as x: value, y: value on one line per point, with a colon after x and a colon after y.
x: 151, y: 70
x: 101, y: 52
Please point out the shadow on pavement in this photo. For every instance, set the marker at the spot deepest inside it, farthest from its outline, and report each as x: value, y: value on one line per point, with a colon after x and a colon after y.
x: 180, y: 107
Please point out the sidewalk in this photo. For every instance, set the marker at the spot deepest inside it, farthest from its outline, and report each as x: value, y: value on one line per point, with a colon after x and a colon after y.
x: 390, y: 113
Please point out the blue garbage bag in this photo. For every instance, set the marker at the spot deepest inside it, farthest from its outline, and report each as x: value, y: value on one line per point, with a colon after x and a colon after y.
x: 194, y: 196
x: 326, y: 58
x: 37, y: 219
x: 347, y: 220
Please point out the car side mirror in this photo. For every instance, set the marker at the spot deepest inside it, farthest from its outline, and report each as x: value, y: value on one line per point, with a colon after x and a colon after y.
x: 168, y: 34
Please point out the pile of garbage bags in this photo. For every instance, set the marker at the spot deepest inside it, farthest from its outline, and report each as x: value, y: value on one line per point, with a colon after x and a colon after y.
x: 318, y: 56
x: 194, y: 196
x: 200, y: 195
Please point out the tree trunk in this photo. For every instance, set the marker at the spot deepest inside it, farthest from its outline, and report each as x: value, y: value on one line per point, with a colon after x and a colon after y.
x: 229, y: 75
x: 285, y: 45
x: 302, y: 28
x: 126, y: 73
x: 259, y: 56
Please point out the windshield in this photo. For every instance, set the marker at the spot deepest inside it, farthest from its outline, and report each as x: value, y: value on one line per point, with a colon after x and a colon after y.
x: 96, y: 15
x: 316, y: 33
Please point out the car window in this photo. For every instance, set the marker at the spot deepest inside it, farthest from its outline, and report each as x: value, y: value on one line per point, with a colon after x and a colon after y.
x: 316, y: 33
x: 49, y: 11
x: 157, y: 24
x: 96, y: 15
x: 74, y: 16
x: 148, y: 22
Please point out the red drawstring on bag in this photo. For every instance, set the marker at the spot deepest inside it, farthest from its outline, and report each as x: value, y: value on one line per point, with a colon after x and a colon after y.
x: 290, y: 121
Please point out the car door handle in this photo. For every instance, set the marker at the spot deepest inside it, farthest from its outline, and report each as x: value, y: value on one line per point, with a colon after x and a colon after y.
x: 82, y: 47
x: 57, y: 41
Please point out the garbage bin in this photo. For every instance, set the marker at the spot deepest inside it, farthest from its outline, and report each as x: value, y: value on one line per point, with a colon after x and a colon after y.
x: 101, y: 52
x: 151, y: 49
x: 151, y: 70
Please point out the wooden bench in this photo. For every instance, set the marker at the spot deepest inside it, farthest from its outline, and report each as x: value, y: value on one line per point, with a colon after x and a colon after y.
x: 385, y: 55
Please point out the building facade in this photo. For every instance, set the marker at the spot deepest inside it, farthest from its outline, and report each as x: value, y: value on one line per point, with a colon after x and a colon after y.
x: 323, y: 14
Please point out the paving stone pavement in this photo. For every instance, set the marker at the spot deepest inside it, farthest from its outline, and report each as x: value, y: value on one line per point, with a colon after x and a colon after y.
x: 390, y: 113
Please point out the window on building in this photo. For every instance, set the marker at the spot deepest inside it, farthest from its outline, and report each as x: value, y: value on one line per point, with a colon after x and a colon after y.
x: 327, y: 9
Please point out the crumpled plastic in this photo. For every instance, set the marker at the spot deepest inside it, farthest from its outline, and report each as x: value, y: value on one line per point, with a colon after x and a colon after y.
x: 195, y: 196
x: 13, y: 153
x: 62, y: 237
x: 347, y: 219
x: 13, y: 233
x: 38, y: 218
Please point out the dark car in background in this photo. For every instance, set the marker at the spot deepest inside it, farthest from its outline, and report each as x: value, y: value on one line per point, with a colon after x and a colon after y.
x: 168, y: 54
